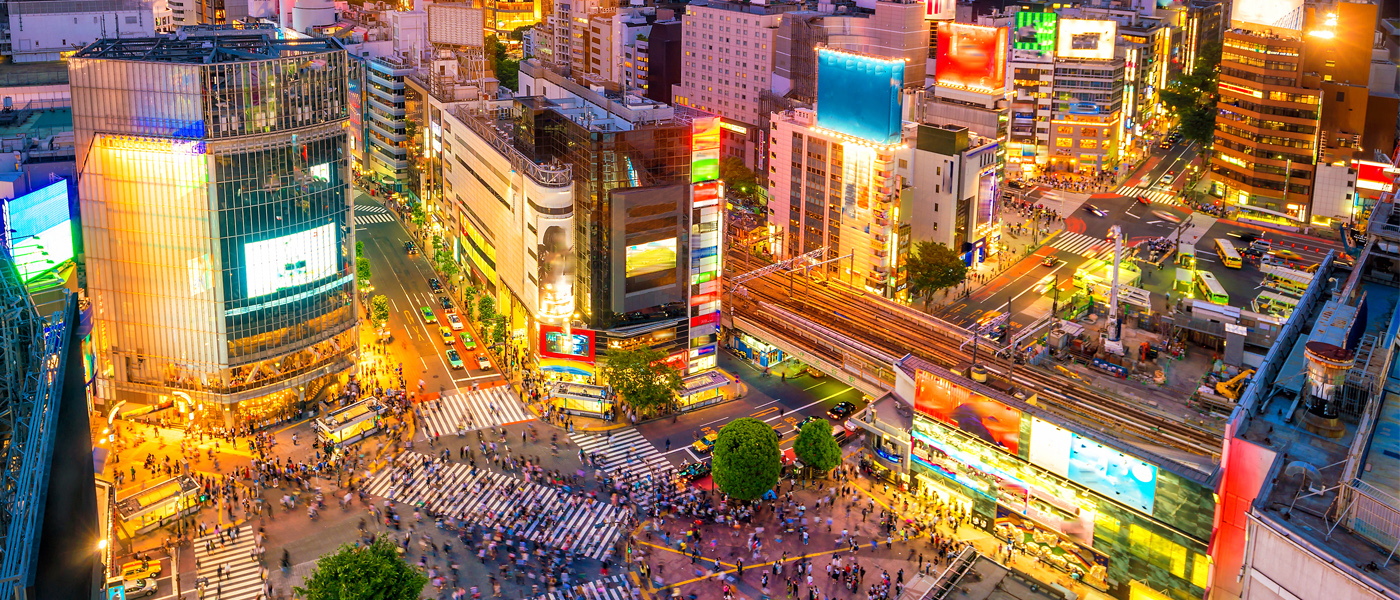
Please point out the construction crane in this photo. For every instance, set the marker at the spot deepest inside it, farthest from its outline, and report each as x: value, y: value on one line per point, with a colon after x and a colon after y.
x: 1114, y: 343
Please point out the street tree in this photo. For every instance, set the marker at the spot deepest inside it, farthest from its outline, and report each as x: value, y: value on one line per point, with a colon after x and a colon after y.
x: 746, y: 459
x: 815, y: 446
x: 933, y: 267
x: 379, y: 310
x: 468, y: 301
x: 498, y: 330
x: 486, y: 308
x: 374, y: 572
x: 738, y: 179
x: 362, y: 270
x: 1192, y: 96
x: 359, y: 249
x: 643, y: 378
x: 442, y: 259
x: 419, y: 216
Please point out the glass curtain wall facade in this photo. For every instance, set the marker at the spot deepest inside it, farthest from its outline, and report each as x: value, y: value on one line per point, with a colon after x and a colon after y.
x: 215, y: 195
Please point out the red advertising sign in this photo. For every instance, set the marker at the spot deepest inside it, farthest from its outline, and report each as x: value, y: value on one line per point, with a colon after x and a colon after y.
x: 576, y: 345
x: 971, y: 57
x: 992, y: 421
x: 1372, y: 176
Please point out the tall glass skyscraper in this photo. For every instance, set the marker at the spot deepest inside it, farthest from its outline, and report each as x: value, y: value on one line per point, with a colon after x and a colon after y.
x: 220, y: 242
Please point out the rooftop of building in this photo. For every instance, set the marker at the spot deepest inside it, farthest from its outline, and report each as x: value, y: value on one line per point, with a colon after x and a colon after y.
x: 1332, y: 486
x: 752, y: 8
x: 211, y: 45
x: 13, y: 74
x: 596, y: 107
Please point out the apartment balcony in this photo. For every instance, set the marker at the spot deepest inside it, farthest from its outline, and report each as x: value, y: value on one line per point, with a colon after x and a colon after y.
x: 388, y: 121
x: 389, y: 160
x: 389, y: 134
x: 388, y: 148
x: 386, y: 95
x: 389, y: 81
x: 386, y: 109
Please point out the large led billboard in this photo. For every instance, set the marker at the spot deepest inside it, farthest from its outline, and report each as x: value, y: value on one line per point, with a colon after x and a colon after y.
x: 1285, y: 14
x: 940, y: 10
x: 290, y: 260
x: 1035, y: 31
x: 39, y: 230
x: 1372, y: 175
x: 556, y: 271
x: 989, y: 420
x: 704, y: 149
x: 1080, y: 38
x: 575, y: 344
x: 1105, y: 470
x: 651, y: 257
x: 859, y: 95
x: 971, y: 57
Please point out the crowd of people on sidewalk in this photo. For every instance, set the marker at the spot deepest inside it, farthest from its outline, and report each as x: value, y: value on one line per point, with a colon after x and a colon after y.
x: 1074, y: 182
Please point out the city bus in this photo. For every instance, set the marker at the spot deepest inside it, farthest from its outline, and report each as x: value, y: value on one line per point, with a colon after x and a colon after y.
x: 1272, y: 303
x: 1210, y: 288
x: 1227, y: 252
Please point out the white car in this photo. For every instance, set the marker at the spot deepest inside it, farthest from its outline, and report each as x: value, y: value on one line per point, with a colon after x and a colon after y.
x: 482, y: 362
x: 455, y: 321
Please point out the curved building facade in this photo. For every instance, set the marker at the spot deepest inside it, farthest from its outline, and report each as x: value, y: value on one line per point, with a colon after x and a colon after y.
x: 213, y: 193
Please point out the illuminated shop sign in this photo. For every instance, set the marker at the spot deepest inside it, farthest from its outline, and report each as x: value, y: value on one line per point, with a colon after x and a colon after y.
x: 1081, y: 38
x: 704, y: 150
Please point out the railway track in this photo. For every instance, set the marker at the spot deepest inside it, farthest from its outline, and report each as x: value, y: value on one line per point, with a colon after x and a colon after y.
x: 898, y: 330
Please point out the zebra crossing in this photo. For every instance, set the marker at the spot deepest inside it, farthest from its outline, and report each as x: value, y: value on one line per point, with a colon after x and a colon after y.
x: 625, y: 453
x: 366, y: 214
x: 242, y: 578
x: 538, y: 513
x: 472, y: 409
x: 612, y: 587
x: 1087, y: 246
x: 1154, y: 195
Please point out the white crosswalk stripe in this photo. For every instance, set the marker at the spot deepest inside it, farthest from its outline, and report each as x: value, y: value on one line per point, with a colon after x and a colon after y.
x: 373, y: 218
x: 539, y: 513
x: 473, y: 409
x: 242, y: 575
x: 612, y: 587
x: 1082, y: 245
x: 1154, y: 195
x: 625, y: 453
x: 370, y: 208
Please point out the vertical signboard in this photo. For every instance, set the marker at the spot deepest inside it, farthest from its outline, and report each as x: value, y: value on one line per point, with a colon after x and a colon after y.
x: 706, y: 238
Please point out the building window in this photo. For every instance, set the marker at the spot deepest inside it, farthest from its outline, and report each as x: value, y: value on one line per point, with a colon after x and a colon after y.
x: 1063, y: 142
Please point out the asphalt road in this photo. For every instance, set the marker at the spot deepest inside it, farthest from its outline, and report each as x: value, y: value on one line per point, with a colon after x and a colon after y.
x: 403, y: 279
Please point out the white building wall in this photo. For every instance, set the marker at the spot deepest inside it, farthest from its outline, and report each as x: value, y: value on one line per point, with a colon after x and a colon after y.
x: 41, y: 37
x: 1278, y: 568
x: 1334, y: 192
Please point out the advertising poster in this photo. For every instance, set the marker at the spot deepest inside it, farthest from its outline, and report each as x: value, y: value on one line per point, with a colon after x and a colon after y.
x: 576, y: 344
x: 940, y: 10
x: 859, y: 95
x: 1035, y: 31
x: 988, y: 420
x: 556, y: 273
x: 1285, y: 14
x: 704, y: 150
x: 1113, y: 473
x: 1081, y: 38
x: 971, y: 57
x: 651, y: 257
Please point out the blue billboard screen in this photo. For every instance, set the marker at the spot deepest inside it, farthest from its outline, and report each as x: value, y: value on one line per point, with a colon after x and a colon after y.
x: 40, y: 229
x: 859, y: 95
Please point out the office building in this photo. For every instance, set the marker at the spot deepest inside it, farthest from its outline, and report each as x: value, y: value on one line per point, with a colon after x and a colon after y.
x: 40, y: 30
x: 652, y: 62
x: 892, y: 29
x: 386, y: 132
x: 218, y: 231
x: 574, y: 210
x: 1031, y: 66
x: 730, y: 52
x: 1086, y: 117
x: 950, y: 172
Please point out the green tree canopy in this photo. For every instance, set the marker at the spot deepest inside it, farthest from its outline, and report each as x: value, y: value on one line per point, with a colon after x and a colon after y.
x: 738, y: 179
x: 486, y: 308
x: 370, y: 573
x: 746, y: 459
x: 468, y: 301
x: 1192, y: 96
x: 359, y: 249
x: 442, y: 259
x: 507, y: 69
x: 932, y: 267
x: 362, y: 270
x: 419, y: 216
x: 498, y: 330
x: 379, y: 309
x: 815, y: 446
x: 642, y: 377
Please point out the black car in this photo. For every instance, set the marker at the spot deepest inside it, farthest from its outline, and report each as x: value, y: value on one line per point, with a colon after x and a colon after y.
x: 445, y: 302
x: 410, y: 248
x: 841, y: 410
x: 1245, y: 237
x: 435, y: 284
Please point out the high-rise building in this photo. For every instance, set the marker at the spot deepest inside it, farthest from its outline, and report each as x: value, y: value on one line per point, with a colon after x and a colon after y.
x: 386, y: 134
x: 730, y: 50
x: 892, y: 29
x: 1032, y: 69
x: 1086, y: 119
x: 218, y: 231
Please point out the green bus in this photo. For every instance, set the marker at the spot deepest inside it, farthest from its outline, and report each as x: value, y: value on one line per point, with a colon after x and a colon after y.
x: 1210, y: 288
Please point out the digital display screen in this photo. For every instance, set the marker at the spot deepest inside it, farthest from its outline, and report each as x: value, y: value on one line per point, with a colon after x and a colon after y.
x: 987, y: 419
x: 1087, y: 39
x: 577, y: 344
x: 859, y: 95
x: 651, y: 257
x: 1035, y: 31
x: 321, y: 171
x: 971, y: 57
x: 1287, y: 14
x: 289, y: 261
x: 39, y: 229
x: 1109, y: 472
x: 704, y: 150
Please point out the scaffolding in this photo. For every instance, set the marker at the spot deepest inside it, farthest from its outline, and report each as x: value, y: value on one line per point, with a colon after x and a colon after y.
x: 32, y: 358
